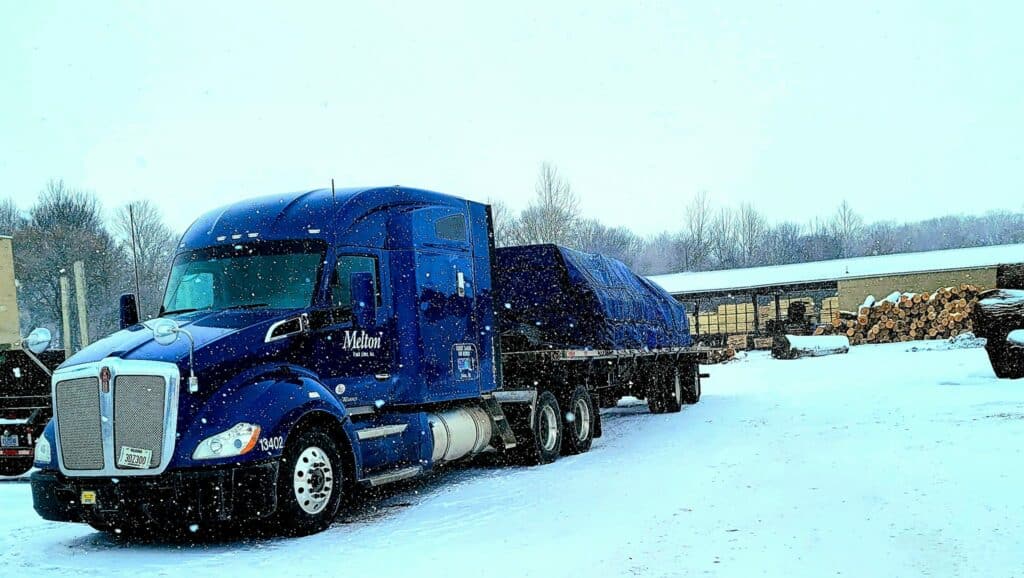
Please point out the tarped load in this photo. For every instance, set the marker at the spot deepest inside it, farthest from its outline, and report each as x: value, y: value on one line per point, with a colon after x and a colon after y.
x: 550, y: 296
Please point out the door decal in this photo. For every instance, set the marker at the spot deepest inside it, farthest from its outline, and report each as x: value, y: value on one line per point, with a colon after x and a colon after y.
x: 465, y: 361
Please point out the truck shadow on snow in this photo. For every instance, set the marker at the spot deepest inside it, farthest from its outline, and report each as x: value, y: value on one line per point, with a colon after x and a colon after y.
x: 364, y: 506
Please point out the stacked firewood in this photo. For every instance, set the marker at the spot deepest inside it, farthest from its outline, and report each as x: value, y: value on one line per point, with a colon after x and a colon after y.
x: 908, y: 316
x: 721, y: 355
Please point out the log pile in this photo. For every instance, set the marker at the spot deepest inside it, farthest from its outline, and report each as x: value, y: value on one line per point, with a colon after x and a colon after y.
x: 942, y: 314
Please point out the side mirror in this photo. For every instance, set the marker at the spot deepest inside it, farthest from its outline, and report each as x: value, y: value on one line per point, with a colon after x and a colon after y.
x: 39, y: 340
x: 165, y: 331
x: 129, y: 310
x: 364, y: 299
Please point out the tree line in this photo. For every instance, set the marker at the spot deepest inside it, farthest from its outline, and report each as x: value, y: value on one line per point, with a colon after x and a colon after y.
x: 65, y: 225
x: 711, y: 236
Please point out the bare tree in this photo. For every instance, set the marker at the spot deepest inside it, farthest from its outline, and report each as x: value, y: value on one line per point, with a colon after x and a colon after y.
x: 504, y: 222
x: 696, y: 239
x: 553, y: 215
x: 11, y: 218
x: 884, y: 238
x: 846, y: 226
x: 724, y: 244
x: 782, y: 244
x: 750, y: 231
x: 154, y: 248
x: 616, y: 242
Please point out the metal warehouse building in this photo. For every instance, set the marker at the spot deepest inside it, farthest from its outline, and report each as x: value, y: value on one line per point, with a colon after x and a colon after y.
x: 742, y: 301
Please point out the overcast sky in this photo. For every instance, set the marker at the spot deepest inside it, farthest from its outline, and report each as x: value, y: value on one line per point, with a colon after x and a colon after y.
x: 794, y: 106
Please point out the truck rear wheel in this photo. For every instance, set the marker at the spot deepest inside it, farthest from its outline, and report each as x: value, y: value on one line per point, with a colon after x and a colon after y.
x: 310, y: 483
x: 578, y: 430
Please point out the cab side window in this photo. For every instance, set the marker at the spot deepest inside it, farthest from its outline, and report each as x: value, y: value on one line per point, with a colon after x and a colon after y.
x: 341, y: 280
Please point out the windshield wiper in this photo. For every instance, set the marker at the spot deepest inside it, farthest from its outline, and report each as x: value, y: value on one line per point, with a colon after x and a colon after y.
x: 178, y: 311
x: 246, y: 306
x: 239, y: 306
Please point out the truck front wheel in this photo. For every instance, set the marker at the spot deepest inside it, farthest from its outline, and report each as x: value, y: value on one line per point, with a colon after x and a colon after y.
x: 310, y: 483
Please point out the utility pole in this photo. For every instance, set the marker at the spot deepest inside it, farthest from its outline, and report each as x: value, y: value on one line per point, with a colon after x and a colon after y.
x: 65, y: 315
x: 80, y: 295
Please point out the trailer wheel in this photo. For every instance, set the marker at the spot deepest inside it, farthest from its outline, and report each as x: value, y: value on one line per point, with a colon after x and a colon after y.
x: 579, y: 430
x: 540, y: 438
x: 666, y: 394
x: 310, y: 483
x: 691, y: 383
x: 15, y: 466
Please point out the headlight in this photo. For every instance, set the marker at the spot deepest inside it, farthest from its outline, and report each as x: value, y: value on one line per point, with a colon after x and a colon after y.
x: 238, y: 440
x: 43, y: 451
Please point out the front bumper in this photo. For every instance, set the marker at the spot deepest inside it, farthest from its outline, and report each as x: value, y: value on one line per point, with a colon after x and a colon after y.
x: 225, y: 494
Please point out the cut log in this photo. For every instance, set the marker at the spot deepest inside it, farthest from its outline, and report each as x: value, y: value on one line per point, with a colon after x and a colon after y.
x: 999, y: 315
x: 794, y: 346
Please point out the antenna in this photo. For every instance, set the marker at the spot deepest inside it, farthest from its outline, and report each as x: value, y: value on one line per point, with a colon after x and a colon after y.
x: 334, y: 200
x: 135, y: 259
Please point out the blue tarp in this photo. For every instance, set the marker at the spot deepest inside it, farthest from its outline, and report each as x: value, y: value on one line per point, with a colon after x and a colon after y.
x: 561, y: 298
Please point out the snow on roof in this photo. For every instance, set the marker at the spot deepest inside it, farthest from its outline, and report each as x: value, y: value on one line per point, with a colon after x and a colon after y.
x: 836, y: 269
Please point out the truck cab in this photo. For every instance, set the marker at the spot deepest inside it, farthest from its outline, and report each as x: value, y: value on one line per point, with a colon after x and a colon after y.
x: 306, y: 342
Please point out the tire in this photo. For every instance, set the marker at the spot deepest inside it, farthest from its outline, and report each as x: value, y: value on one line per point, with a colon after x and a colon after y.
x: 541, y: 438
x: 687, y: 374
x: 310, y: 484
x: 666, y: 394
x: 15, y: 466
x: 578, y: 432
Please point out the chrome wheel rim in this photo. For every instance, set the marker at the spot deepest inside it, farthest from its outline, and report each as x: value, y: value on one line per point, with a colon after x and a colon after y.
x: 313, y: 480
x: 582, y: 422
x: 548, y: 428
x: 678, y: 389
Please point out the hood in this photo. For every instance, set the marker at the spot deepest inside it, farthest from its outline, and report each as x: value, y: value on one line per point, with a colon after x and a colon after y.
x: 206, y: 328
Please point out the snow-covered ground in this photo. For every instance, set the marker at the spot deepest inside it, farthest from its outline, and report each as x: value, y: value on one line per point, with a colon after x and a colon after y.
x: 882, y: 462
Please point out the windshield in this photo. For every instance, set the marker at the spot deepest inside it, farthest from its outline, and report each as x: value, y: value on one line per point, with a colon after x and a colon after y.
x: 274, y: 275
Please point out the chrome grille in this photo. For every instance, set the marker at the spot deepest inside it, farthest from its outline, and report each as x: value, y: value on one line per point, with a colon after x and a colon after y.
x: 137, y: 408
x: 139, y: 414
x: 77, y: 407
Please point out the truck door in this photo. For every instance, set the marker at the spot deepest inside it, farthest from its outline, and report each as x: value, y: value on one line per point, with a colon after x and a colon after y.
x: 446, y: 283
x: 356, y: 362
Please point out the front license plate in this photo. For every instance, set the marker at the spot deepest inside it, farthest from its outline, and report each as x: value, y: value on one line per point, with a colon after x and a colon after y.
x: 9, y: 441
x: 88, y: 498
x: 134, y: 458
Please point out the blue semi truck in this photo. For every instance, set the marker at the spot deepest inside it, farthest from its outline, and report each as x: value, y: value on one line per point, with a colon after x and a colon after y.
x: 314, y: 342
